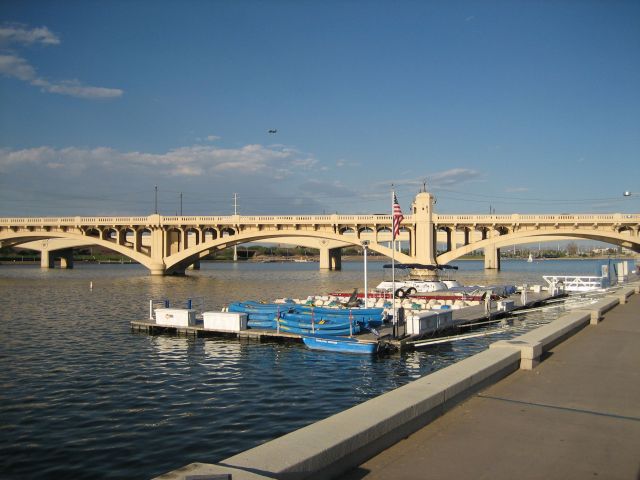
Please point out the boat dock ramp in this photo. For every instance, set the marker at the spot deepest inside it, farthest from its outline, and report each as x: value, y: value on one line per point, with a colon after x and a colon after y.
x: 467, y: 317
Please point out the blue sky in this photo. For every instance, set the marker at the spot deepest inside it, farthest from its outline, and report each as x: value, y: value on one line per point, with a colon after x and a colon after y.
x: 521, y: 106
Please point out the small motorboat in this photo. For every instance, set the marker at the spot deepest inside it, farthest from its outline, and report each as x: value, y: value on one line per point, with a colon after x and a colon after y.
x: 343, y: 345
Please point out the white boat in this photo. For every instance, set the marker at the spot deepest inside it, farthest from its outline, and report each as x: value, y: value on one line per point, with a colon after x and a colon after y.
x: 419, y: 286
x: 421, y: 279
x: 530, y: 259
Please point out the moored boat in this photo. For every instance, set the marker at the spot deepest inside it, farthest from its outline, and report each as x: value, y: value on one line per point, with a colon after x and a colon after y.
x: 314, y: 331
x: 297, y: 321
x: 344, y: 345
x: 427, y: 282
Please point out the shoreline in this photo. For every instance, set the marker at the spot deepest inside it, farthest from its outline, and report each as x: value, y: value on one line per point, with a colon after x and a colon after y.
x: 351, y: 259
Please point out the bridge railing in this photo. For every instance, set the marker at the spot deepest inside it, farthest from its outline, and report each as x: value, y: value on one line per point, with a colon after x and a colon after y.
x: 531, y: 218
x: 199, y: 220
x: 317, y: 219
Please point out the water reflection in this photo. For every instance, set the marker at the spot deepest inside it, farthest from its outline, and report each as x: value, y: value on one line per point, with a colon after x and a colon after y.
x: 172, y: 348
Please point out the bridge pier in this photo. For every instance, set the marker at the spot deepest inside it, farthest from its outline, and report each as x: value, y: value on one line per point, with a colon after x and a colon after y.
x: 449, y: 239
x: 491, y: 258
x: 157, y: 269
x: 330, y: 259
x: 46, y: 259
x: 66, y: 258
x: 194, y: 266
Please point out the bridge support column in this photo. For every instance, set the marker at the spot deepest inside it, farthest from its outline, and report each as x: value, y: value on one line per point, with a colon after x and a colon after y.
x: 157, y: 269
x: 195, y: 265
x: 425, y: 231
x: 158, y: 246
x: 46, y: 259
x: 137, y: 240
x: 491, y: 258
x: 330, y: 259
x: 66, y: 258
x: 335, y: 257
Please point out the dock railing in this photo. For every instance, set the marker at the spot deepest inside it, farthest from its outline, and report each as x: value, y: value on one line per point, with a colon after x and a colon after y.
x: 576, y: 283
x: 157, y: 303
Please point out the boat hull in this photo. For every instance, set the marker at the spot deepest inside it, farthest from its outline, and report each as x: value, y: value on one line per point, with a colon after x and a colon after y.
x: 318, y: 324
x: 340, y: 345
x: 337, y: 332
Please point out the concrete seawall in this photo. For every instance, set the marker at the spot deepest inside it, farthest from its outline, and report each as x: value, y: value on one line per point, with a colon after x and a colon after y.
x: 330, y: 447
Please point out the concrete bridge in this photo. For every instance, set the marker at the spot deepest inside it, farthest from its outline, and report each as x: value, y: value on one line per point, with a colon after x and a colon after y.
x: 168, y: 245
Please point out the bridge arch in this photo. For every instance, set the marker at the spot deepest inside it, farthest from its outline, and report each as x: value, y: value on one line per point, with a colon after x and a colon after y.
x: 180, y: 260
x: 527, y: 236
x: 209, y: 233
x: 23, y: 237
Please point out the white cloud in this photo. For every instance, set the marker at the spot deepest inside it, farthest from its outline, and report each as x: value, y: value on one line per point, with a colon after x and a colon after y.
x: 21, y: 34
x: 341, y: 163
x: 12, y: 65
x: 180, y: 162
x: 454, y: 176
x: 48, y: 180
x: 447, y: 178
x: 516, y: 189
x: 76, y: 89
x: 212, y: 138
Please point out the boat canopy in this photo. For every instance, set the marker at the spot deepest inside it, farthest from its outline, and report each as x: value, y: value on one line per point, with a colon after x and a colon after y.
x: 403, y: 266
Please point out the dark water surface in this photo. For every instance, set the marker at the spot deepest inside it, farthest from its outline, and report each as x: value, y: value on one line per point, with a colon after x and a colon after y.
x: 81, y: 396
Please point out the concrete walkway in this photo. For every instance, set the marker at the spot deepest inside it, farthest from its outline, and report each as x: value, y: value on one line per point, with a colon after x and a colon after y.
x: 576, y: 415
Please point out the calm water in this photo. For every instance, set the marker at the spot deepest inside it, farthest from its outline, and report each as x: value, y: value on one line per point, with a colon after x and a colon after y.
x: 81, y: 396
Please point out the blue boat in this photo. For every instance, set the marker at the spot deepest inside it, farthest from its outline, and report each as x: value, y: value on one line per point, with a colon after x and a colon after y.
x: 293, y: 320
x: 368, y: 312
x: 337, y: 332
x: 344, y: 345
x: 306, y: 315
x: 262, y: 316
x: 257, y: 308
x: 262, y: 324
x: 300, y: 318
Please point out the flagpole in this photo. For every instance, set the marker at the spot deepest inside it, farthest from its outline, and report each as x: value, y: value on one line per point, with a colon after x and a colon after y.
x: 393, y: 260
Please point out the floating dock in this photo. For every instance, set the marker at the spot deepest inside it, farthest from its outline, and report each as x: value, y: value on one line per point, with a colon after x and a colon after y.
x: 461, y: 318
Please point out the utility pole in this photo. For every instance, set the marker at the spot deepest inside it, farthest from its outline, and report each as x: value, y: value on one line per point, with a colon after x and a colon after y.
x: 156, y: 197
x: 235, y: 212
x: 180, y: 203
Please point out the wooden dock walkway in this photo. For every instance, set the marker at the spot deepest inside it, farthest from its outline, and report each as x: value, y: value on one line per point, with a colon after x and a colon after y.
x: 151, y: 327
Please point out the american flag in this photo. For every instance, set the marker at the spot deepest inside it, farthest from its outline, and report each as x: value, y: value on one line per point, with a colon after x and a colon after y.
x: 397, y: 216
